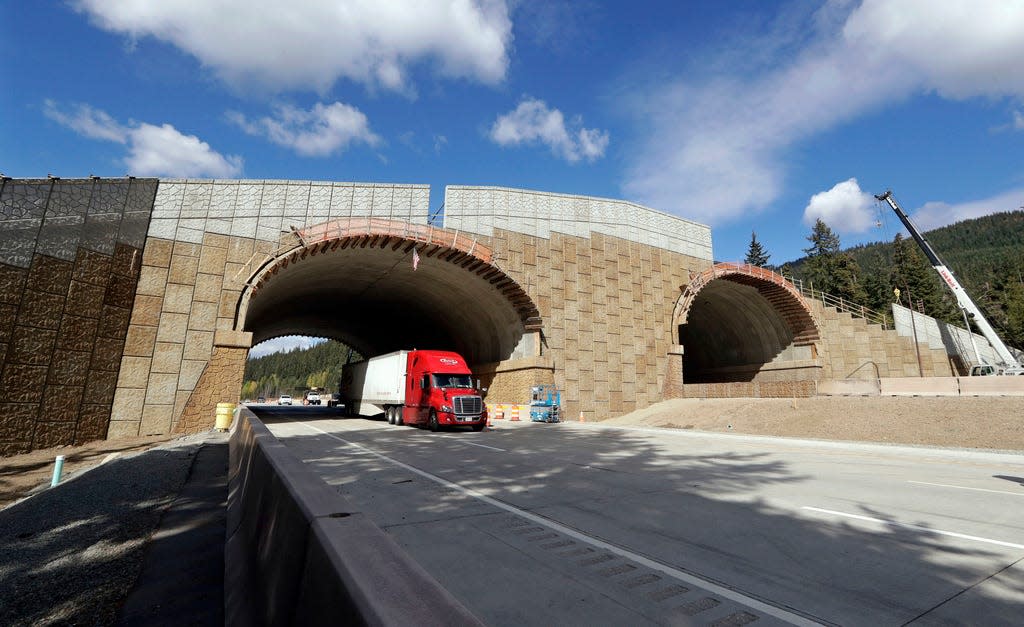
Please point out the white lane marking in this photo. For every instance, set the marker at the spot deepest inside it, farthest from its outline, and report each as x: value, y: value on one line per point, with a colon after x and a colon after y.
x: 963, y: 487
x: 751, y: 602
x: 463, y: 441
x: 891, y: 523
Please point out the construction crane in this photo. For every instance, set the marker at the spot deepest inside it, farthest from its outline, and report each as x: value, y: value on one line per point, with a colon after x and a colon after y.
x: 1008, y: 363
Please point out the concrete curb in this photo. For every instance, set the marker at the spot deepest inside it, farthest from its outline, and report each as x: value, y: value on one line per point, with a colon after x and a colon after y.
x: 297, y: 553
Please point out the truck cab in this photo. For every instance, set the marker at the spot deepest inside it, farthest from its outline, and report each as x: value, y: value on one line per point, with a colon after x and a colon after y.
x: 440, y: 391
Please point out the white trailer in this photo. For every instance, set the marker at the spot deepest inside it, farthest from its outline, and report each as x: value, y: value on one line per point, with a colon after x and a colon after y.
x: 369, y: 387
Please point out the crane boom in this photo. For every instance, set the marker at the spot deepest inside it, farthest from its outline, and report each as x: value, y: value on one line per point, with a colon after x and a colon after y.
x: 962, y: 299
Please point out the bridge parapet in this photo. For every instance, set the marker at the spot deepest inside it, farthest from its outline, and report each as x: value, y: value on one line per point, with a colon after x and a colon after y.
x: 484, y: 209
x: 186, y: 209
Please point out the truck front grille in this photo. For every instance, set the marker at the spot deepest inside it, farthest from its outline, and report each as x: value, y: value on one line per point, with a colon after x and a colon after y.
x: 468, y: 405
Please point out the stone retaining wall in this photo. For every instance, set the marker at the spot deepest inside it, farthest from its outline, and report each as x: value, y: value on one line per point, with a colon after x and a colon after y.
x: 70, y: 254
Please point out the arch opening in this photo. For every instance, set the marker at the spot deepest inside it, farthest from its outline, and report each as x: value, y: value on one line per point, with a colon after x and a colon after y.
x: 356, y: 282
x: 740, y: 323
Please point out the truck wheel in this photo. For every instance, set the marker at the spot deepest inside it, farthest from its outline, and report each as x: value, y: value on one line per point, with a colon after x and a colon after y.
x: 390, y: 413
x: 479, y: 427
x: 433, y: 420
x: 398, y: 417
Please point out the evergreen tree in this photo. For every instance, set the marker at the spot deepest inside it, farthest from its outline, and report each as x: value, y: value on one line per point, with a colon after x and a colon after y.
x: 830, y: 270
x: 296, y: 371
x: 844, y: 279
x: 877, y: 284
x: 985, y: 255
x: 912, y: 274
x: 824, y: 246
x: 1006, y: 301
x: 756, y: 254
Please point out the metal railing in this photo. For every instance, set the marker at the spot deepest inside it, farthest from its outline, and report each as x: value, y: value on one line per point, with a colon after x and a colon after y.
x: 842, y: 304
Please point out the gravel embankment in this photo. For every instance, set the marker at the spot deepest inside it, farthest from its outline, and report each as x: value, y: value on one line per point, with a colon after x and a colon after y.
x: 995, y: 422
x: 72, y: 553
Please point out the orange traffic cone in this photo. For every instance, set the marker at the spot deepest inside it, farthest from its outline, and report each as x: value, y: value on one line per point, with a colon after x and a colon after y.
x: 515, y: 413
x: 582, y: 419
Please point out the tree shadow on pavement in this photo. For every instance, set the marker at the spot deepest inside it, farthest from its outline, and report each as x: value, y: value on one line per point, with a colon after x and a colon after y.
x: 72, y: 553
x: 694, y: 509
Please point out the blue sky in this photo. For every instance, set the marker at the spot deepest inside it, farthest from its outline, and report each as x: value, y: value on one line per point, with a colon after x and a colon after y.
x: 744, y: 115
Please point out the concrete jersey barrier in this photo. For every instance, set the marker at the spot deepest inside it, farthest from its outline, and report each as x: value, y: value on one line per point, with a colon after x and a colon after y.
x: 297, y: 553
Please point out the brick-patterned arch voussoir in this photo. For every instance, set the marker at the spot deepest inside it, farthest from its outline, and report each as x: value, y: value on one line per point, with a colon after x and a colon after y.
x: 780, y: 293
x: 446, y: 245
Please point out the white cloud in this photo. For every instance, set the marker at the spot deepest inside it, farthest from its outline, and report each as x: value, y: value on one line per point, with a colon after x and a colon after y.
x: 313, y: 43
x: 932, y: 215
x: 284, y: 344
x: 440, y: 142
x: 319, y: 132
x: 1018, y: 121
x: 845, y: 208
x: 715, y: 148
x: 88, y: 122
x: 152, y: 150
x: 532, y: 122
x: 164, y: 151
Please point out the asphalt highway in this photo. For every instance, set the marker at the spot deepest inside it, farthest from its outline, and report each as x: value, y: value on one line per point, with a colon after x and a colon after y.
x: 579, y: 524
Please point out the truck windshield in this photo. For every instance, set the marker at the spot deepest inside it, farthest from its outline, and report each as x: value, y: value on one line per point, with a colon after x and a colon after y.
x: 453, y: 381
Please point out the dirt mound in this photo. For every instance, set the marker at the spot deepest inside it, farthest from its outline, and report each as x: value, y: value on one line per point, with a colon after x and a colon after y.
x: 963, y: 422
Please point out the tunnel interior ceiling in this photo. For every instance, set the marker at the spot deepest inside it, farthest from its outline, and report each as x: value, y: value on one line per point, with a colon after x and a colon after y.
x: 373, y: 300
x: 730, y: 333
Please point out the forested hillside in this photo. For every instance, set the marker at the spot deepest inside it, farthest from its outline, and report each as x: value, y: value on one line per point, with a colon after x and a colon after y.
x: 296, y: 371
x: 986, y: 254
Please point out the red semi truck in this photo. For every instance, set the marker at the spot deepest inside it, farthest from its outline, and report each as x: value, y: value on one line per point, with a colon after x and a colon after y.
x: 417, y: 387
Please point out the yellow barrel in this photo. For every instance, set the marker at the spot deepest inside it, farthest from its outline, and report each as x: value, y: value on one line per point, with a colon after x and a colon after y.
x: 225, y: 412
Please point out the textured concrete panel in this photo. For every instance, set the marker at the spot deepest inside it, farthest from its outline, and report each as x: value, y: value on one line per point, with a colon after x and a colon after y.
x: 161, y: 389
x: 172, y: 327
x: 482, y: 209
x: 50, y: 275
x: 93, y: 420
x: 178, y: 298
x: 100, y: 387
x: 134, y: 373
x: 32, y: 346
x: 166, y: 357
x: 128, y: 403
x: 140, y: 341
x: 86, y: 299
x: 114, y: 321
x: 156, y: 419
x: 185, y: 210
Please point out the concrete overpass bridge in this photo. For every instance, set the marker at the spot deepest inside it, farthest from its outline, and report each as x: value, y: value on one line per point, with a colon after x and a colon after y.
x: 128, y: 306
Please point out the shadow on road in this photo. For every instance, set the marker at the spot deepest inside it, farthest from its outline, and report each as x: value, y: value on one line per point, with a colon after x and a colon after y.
x: 704, y: 516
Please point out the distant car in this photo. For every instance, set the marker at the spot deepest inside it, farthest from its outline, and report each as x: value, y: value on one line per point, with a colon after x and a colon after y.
x: 261, y: 399
x: 312, y: 398
x: 284, y: 399
x: 334, y: 401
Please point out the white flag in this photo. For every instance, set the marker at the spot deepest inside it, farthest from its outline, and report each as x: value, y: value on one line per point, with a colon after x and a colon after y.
x: 415, y: 258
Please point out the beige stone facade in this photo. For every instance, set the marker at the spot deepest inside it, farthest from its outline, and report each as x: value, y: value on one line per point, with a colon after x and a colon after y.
x: 603, y: 302
x: 187, y: 294
x: 101, y: 337
x: 854, y: 349
x: 607, y: 308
